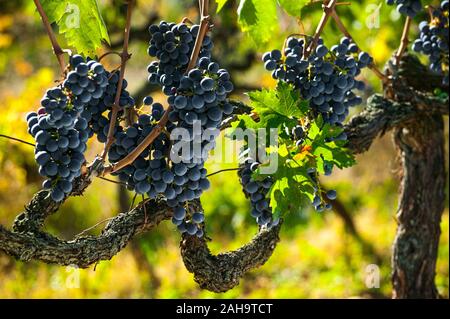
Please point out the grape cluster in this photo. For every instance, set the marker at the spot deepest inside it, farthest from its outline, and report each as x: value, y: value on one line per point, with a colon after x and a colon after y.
x: 198, y: 105
x: 172, y: 45
x: 326, y: 78
x: 409, y: 8
x: 434, y: 40
x: 69, y: 115
x: 59, y: 150
x: 257, y: 192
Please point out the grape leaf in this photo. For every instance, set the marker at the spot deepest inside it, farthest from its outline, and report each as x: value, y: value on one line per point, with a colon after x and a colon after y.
x: 80, y: 21
x: 220, y: 4
x: 258, y: 18
x: 291, y: 104
x: 292, y: 187
x: 293, y: 7
x: 54, y: 9
x: 274, y: 108
x: 325, y: 151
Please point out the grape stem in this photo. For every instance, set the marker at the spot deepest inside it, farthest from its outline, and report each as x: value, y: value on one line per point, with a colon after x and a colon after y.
x: 104, y: 55
x: 344, y: 30
x: 131, y: 157
x: 404, y: 41
x: 124, y: 57
x: 59, y: 53
x: 113, y: 181
x: 328, y: 8
x: 17, y: 140
x: 94, y: 226
x: 223, y: 170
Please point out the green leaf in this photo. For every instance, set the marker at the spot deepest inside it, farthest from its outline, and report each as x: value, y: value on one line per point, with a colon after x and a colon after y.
x: 80, y: 21
x: 54, y: 9
x: 292, y: 187
x: 328, y: 152
x: 290, y: 102
x: 258, y: 18
x: 220, y: 4
x: 275, y: 107
x: 293, y: 7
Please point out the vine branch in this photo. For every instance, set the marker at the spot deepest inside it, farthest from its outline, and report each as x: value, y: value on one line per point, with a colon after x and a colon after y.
x: 404, y: 41
x: 328, y: 8
x: 17, y: 140
x: 59, y: 53
x: 124, y: 58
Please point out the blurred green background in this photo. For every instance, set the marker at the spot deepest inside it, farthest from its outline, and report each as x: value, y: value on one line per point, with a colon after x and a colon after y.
x: 319, y: 256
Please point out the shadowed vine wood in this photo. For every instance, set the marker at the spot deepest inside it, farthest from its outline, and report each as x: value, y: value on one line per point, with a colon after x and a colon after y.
x: 408, y: 113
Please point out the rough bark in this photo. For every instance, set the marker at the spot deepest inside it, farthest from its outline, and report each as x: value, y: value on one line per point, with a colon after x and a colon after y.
x: 420, y: 142
x: 87, y: 250
x: 222, y: 272
x: 422, y: 199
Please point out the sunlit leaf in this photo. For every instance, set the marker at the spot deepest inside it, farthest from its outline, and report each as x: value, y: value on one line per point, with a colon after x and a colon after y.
x: 80, y: 21
x: 259, y: 18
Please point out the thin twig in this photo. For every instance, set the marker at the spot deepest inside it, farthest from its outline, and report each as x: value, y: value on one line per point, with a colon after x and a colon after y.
x: 223, y: 170
x: 17, y: 140
x: 92, y: 227
x: 203, y: 29
x: 133, y: 201
x: 56, y: 47
x: 109, y: 53
x: 124, y: 57
x: 328, y: 8
x: 404, y: 41
x: 112, y: 181
x: 131, y: 157
x: 344, y: 30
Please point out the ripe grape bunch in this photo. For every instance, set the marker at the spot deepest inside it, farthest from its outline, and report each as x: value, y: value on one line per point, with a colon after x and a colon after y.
x: 434, y: 40
x: 325, y: 78
x: 198, y: 105
x: 409, y: 8
x: 60, y: 127
x: 172, y: 45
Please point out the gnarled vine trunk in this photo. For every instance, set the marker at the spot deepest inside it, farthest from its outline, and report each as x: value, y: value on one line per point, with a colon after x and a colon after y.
x: 422, y: 198
x: 420, y: 142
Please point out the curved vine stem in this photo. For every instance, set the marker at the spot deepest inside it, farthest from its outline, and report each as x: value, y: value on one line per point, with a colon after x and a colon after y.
x: 104, y: 55
x: 59, y: 53
x: 124, y: 57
